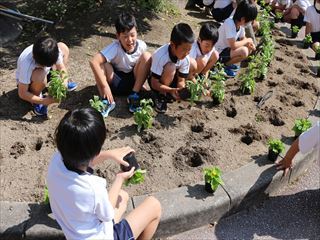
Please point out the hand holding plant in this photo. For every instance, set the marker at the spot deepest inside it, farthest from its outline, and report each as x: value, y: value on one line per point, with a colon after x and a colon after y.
x: 137, y: 177
x: 96, y: 103
x: 57, y: 88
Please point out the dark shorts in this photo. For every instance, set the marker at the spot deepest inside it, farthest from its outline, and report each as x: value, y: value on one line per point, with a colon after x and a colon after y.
x: 122, y: 231
x: 122, y: 83
x: 315, y: 37
x: 225, y: 55
x: 172, y: 85
x: 221, y: 14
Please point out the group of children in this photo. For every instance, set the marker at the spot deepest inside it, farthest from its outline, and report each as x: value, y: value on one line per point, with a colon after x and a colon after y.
x: 79, y: 200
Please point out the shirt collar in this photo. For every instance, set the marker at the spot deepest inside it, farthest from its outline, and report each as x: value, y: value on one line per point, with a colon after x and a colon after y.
x: 134, y: 50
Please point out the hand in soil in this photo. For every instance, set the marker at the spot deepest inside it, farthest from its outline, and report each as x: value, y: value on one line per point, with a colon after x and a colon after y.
x: 285, y: 164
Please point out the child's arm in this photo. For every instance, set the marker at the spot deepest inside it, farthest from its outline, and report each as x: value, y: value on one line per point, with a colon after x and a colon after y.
x: 26, y: 95
x: 243, y: 42
x: 117, y: 184
x: 116, y: 155
x: 101, y: 79
x: 158, y: 86
x: 308, y: 28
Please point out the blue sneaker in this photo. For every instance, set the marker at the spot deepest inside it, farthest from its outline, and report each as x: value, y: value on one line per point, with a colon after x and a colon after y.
x: 108, y: 107
x: 134, y: 102
x: 233, y: 67
x: 72, y: 86
x: 40, y: 110
x: 229, y: 72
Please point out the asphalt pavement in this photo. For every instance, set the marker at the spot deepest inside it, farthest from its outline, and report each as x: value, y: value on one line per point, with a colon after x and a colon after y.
x: 293, y: 212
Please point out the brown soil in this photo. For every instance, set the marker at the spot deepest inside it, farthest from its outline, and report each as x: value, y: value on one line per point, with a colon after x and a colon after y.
x: 181, y: 142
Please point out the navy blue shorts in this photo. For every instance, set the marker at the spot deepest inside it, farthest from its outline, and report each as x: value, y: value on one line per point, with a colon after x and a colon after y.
x: 122, y: 83
x: 122, y: 231
x: 221, y: 14
x: 315, y: 37
x: 225, y: 55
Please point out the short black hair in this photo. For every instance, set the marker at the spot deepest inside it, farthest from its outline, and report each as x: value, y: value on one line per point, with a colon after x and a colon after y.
x: 246, y: 9
x: 80, y: 136
x: 45, y: 51
x: 209, y: 32
x: 182, y: 33
x: 125, y: 22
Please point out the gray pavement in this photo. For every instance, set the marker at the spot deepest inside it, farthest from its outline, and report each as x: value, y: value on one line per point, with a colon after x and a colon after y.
x: 292, y: 212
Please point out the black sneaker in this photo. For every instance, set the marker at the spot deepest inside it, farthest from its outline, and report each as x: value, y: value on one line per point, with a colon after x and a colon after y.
x: 160, y: 103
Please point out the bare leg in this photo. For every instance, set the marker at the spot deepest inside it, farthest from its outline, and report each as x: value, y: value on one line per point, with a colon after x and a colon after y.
x: 238, y: 55
x: 121, y: 205
x: 145, y: 218
x: 65, y: 50
x: 293, y: 14
x: 167, y: 76
x: 193, y: 68
x: 141, y: 70
x: 108, y: 73
x: 212, y: 61
x: 38, y: 81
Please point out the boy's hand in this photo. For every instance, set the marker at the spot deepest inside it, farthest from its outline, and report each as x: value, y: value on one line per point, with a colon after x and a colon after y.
x: 108, y: 94
x: 285, y: 164
x: 118, y: 154
x: 175, y: 93
x: 126, y: 175
x: 49, y: 100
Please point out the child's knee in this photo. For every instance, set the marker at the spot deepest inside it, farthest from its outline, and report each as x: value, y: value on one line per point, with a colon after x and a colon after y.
x: 146, y: 56
x: 215, y: 55
x: 39, y: 76
x: 156, y: 205
x: 124, y: 196
x: 64, y: 48
x: 244, y: 52
x: 294, y: 12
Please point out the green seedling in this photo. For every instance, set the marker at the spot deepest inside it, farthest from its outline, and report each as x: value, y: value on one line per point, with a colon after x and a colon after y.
x: 295, y: 29
x: 308, y: 39
x: 143, y: 117
x: 213, y: 177
x: 46, y: 195
x: 56, y: 88
x: 276, y: 145
x: 279, y: 15
x: 217, y: 91
x: 268, y: 9
x: 248, y: 84
x: 196, y: 88
x: 301, y: 125
x: 96, y: 103
x: 137, y: 177
x: 318, y: 50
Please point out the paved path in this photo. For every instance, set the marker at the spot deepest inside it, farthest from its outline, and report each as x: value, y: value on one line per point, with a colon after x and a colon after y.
x: 291, y: 213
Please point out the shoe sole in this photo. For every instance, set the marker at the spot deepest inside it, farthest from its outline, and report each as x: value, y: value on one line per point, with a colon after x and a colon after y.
x: 72, y: 89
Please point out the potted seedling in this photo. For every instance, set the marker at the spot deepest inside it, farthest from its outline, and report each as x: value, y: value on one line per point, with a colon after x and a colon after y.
x: 57, y: 88
x: 278, y: 17
x: 139, y: 174
x: 301, y: 125
x: 276, y: 147
x: 96, y: 103
x: 212, y: 178
x: 317, y: 57
x: 217, y: 92
x: 143, y: 117
x: 294, y: 31
x: 307, y: 41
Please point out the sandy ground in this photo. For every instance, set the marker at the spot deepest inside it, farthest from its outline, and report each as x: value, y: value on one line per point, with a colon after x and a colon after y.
x: 181, y: 142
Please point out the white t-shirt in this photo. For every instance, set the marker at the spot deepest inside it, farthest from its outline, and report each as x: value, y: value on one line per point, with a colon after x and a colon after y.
x: 221, y: 3
x: 287, y: 3
x: 122, y: 61
x: 310, y: 139
x: 79, y: 202
x: 311, y: 16
x: 196, y: 52
x: 304, y: 4
x: 228, y: 31
x: 26, y: 64
x: 162, y: 56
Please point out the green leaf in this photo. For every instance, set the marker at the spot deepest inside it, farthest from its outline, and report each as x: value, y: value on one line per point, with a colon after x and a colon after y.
x: 137, y: 178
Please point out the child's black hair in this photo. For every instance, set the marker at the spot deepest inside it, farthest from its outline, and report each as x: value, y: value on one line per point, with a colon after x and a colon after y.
x: 45, y: 51
x: 80, y: 136
x: 209, y: 32
x: 125, y: 22
x: 182, y: 33
x: 246, y: 9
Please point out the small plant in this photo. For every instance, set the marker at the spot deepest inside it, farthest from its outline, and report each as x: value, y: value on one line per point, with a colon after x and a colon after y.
x: 196, y: 88
x: 301, y: 125
x: 46, y: 195
x: 137, y: 177
x: 217, y: 91
x: 295, y: 29
x: 96, y: 103
x: 212, y: 178
x: 308, y: 39
x: 143, y: 117
x: 248, y: 84
x: 268, y: 8
x: 276, y: 147
x: 279, y: 16
x: 56, y: 88
x: 317, y: 57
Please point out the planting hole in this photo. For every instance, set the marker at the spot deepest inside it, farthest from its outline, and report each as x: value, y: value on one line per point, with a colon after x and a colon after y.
x: 39, y: 144
x: 247, y: 139
x: 279, y: 71
x: 298, y: 103
x: 17, y: 149
x: 197, y: 127
x: 195, y: 160
x: 231, y: 112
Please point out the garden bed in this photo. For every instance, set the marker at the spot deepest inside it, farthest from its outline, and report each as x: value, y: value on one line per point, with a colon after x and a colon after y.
x: 181, y: 142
